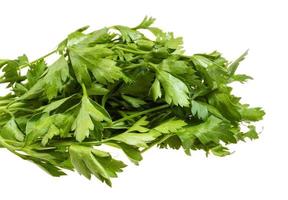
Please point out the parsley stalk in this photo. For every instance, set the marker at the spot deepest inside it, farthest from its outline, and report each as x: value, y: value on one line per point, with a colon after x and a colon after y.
x: 38, y: 59
x: 140, y: 113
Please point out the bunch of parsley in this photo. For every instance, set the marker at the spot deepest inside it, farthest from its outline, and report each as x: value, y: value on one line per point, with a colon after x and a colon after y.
x: 117, y: 87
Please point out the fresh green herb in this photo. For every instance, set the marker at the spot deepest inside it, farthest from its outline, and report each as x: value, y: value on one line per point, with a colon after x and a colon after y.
x: 117, y: 87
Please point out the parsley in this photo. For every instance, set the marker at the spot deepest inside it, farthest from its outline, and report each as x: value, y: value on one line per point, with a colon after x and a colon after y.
x: 117, y: 87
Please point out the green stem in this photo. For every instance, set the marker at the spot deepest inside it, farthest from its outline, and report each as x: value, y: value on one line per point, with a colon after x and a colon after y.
x: 84, y: 89
x: 98, y: 142
x: 133, y: 66
x: 7, y: 111
x: 14, y: 107
x: 135, y: 58
x: 24, y: 109
x: 11, y: 148
x: 20, y: 78
x: 43, y: 57
x: 132, y: 51
x: 109, y: 94
x: 154, y: 66
x: 4, y: 102
x: 68, y: 143
x: 116, y: 127
x: 157, y: 142
x: 141, y: 113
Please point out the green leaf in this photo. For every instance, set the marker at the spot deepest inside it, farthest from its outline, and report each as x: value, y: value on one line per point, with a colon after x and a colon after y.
x: 36, y: 127
x: 155, y: 90
x: 139, y: 126
x: 212, y: 130
x: 131, y: 152
x: 96, y: 37
x: 73, y: 38
x: 11, y: 131
x: 80, y: 69
x: 127, y: 34
x: 49, y: 168
x: 135, y: 102
x: 52, y: 82
x: 167, y: 39
x: 36, y: 70
x: 145, y: 135
x: 52, y: 131
x: 64, y: 122
x: 137, y: 139
x: 210, y: 69
x: 242, y: 78
x: 55, y: 104
x: 57, y: 74
x: 11, y: 72
x: 176, y: 92
x: 170, y: 126
x: 93, y: 59
x: 251, y: 114
x: 225, y: 105
x: 88, y: 112
x: 146, y: 22
x: 220, y: 151
x: 173, y: 142
x: 145, y: 45
x: 199, y: 110
x: 19, y: 89
x: 88, y: 161
x: 97, y: 89
x: 105, y: 70
x: 251, y: 133
x: 234, y: 65
x: 139, y: 77
x: 45, y: 127
x: 175, y: 67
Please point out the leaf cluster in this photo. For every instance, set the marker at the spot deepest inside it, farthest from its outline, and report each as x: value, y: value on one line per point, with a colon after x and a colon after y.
x: 118, y: 87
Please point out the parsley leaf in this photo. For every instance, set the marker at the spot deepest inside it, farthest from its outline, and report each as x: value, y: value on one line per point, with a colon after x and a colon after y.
x: 50, y: 82
x: 199, y: 110
x: 94, y: 59
x: 90, y: 113
x: 89, y: 161
x: 176, y: 92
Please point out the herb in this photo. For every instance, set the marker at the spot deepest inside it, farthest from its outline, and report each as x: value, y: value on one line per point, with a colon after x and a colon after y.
x: 117, y: 87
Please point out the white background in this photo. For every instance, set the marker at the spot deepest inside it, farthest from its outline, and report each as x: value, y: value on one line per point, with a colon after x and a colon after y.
x: 257, y: 170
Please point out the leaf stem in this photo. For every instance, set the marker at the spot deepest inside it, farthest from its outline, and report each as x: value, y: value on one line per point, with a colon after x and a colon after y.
x: 25, y: 109
x: 8, y: 146
x: 132, y: 51
x: 4, y: 101
x: 157, y: 142
x: 141, y: 113
x: 84, y: 89
x: 34, y: 61
x: 20, y: 78
x: 7, y: 111
x: 132, y: 66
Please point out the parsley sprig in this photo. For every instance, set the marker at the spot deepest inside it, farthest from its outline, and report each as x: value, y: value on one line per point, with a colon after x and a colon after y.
x: 118, y: 87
